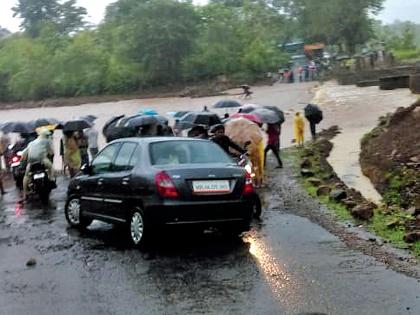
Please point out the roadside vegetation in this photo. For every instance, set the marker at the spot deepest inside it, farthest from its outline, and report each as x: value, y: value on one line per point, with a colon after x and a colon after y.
x: 142, y: 44
x: 402, y: 38
x: 387, y: 221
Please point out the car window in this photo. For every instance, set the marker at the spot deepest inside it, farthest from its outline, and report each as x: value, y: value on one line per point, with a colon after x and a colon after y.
x: 102, y: 162
x: 124, y: 156
x: 135, y: 158
x: 187, y: 152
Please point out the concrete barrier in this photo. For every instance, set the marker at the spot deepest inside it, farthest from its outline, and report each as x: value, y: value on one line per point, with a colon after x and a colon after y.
x: 415, y: 83
x: 394, y: 82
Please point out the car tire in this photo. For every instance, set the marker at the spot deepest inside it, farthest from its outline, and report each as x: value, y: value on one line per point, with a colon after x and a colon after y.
x: 256, y: 207
x: 136, y: 228
x: 73, y: 214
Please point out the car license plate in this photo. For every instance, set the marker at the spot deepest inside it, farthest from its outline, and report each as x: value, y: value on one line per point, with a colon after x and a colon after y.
x: 38, y: 176
x: 211, y: 186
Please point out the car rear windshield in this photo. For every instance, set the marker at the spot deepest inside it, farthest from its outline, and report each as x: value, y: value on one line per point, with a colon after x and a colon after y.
x: 187, y: 152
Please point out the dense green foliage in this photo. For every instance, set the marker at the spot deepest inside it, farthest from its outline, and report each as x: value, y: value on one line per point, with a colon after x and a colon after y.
x: 335, y: 22
x: 403, y: 38
x: 145, y: 43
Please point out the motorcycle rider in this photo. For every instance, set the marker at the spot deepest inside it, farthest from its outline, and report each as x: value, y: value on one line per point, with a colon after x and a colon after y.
x: 38, y: 151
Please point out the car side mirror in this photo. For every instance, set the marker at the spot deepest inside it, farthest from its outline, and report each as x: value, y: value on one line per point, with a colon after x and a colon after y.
x: 87, y: 169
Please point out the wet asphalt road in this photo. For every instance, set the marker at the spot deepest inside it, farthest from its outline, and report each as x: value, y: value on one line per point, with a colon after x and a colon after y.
x: 285, y: 265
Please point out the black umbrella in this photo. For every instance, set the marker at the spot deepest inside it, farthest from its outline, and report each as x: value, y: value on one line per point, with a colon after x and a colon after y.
x: 267, y: 116
x: 197, y: 118
x: 161, y: 119
x: 18, y: 127
x: 111, y: 123
x: 247, y: 108
x: 77, y: 124
x: 313, y: 113
x: 179, y: 114
x: 140, y: 120
x: 227, y: 104
x: 89, y: 118
x: 278, y: 111
x: 41, y: 122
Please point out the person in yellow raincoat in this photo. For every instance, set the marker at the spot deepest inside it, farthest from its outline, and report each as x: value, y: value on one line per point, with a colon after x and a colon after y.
x: 299, y: 129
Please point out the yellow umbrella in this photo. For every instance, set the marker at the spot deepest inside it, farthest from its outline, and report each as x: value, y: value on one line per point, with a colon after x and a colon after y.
x: 48, y: 127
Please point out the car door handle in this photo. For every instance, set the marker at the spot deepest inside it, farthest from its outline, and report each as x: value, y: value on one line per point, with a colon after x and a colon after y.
x: 100, y: 181
x: 125, y: 180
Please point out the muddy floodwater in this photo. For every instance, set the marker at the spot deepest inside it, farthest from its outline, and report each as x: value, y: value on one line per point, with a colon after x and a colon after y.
x: 356, y: 111
x: 286, y: 97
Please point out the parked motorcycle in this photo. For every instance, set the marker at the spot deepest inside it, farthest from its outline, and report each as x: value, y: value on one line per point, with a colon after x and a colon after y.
x: 17, y: 168
x: 39, y: 183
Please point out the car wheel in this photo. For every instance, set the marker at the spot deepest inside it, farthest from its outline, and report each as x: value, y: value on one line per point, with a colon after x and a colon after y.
x: 256, y: 211
x: 73, y: 215
x: 136, y: 227
x: 234, y: 230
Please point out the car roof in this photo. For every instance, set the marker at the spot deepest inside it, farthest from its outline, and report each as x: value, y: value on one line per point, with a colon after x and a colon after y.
x: 147, y: 140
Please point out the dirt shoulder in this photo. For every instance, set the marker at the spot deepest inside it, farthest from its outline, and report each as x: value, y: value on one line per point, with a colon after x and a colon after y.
x: 311, y: 189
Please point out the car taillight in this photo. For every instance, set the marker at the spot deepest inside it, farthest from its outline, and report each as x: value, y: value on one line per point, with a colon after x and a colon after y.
x: 16, y: 159
x: 165, y: 186
x: 249, y: 186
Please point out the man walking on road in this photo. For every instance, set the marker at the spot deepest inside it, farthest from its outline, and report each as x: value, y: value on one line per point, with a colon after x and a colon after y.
x: 273, y: 143
x: 92, y: 135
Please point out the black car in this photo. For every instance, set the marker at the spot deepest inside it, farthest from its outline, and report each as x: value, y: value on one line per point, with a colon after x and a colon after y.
x: 148, y: 183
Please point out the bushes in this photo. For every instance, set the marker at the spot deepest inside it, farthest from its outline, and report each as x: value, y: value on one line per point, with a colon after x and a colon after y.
x: 407, y: 54
x: 142, y: 44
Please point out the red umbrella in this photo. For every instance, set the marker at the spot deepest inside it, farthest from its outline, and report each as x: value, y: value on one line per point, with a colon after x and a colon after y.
x: 251, y: 117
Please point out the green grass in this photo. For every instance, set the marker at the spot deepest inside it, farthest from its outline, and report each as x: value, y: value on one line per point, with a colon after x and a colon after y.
x: 395, y: 235
x: 293, y: 155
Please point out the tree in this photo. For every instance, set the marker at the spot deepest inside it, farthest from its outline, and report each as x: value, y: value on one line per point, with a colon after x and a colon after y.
x: 66, y: 16
x: 336, y: 22
x: 158, y: 34
x: 4, y: 32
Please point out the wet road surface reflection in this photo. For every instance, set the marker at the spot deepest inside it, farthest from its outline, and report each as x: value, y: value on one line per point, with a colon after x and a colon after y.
x: 284, y: 265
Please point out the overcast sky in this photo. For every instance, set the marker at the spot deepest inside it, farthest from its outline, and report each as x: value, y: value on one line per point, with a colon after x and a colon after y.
x: 404, y: 10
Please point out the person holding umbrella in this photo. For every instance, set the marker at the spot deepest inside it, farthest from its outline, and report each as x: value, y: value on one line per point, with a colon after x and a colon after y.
x: 71, y: 159
x: 314, y: 115
x: 83, y: 144
x: 273, y: 143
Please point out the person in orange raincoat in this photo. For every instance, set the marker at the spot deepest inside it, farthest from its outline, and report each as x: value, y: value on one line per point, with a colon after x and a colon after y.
x: 299, y: 129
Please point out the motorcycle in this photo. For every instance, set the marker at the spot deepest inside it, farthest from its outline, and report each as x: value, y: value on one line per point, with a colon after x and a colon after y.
x: 17, y: 169
x: 39, y: 183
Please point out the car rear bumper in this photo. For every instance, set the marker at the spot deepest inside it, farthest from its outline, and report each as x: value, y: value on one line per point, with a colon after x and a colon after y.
x: 200, y: 213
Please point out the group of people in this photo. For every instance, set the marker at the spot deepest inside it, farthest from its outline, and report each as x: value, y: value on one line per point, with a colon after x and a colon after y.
x: 306, y: 72
x: 75, y: 148
x: 79, y: 147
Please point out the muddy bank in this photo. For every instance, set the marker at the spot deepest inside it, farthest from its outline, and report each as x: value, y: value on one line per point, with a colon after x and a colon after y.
x: 390, y: 157
x: 356, y: 111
